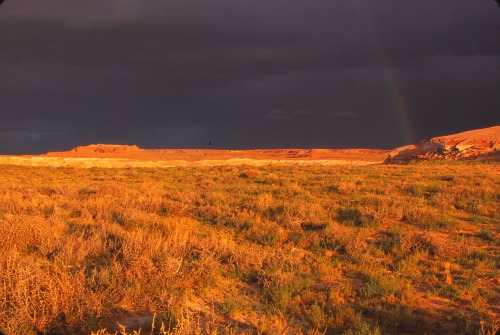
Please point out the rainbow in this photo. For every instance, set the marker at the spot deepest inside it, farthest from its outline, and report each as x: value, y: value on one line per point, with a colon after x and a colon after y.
x: 395, y: 88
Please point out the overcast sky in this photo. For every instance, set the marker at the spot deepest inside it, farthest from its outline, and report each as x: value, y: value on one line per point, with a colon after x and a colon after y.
x: 245, y: 73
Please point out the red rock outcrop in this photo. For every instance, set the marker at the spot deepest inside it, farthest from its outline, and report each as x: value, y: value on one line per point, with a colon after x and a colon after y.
x: 100, y: 151
x: 105, y: 148
x: 480, y: 144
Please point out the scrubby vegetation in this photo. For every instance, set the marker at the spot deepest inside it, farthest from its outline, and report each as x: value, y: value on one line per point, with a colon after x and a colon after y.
x: 250, y: 250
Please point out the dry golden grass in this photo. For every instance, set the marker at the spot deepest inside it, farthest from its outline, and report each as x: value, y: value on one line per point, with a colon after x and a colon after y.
x: 250, y: 250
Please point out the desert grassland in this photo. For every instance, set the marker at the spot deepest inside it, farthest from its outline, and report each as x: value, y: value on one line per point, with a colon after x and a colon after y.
x: 251, y: 250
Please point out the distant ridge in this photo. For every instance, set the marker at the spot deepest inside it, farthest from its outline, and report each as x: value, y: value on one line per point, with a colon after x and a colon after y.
x: 106, y: 148
x: 479, y: 144
x: 133, y: 152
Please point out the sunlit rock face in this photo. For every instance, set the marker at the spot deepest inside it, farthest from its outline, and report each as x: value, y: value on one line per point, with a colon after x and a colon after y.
x: 105, y: 148
x: 480, y: 144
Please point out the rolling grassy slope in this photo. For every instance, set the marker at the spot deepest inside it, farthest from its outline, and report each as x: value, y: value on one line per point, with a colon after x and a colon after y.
x: 251, y: 250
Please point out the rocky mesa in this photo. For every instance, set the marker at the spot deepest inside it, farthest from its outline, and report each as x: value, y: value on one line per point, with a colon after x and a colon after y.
x: 98, y: 149
x: 479, y: 144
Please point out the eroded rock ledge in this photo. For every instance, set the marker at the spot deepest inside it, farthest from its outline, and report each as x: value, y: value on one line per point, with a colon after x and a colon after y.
x: 480, y: 144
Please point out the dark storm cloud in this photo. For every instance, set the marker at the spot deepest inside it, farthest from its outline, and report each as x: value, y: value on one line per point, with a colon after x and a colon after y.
x: 21, y: 136
x: 343, y: 114
x: 176, y: 73
x: 280, y: 114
